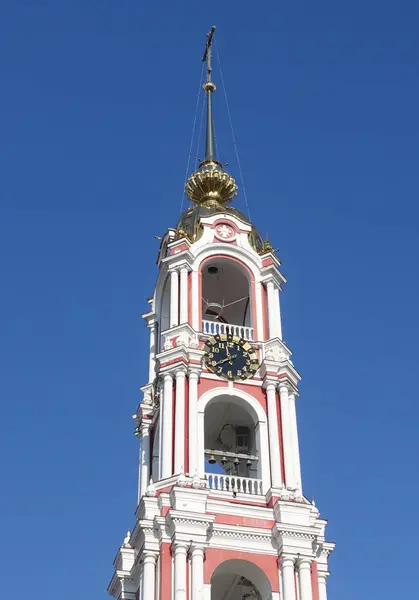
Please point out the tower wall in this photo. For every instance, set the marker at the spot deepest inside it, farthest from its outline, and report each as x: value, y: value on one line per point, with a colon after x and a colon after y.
x: 221, y: 512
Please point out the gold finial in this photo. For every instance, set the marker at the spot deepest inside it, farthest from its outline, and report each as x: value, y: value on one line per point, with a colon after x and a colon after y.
x: 210, y: 185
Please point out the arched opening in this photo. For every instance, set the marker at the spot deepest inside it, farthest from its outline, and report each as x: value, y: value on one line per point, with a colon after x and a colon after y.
x: 226, y: 298
x: 240, y: 580
x: 232, y: 446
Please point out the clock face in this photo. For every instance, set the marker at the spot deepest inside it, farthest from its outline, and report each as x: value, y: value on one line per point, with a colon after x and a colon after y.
x: 231, y: 357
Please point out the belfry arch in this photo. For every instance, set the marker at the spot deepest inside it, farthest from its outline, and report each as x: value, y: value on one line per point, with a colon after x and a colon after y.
x: 238, y: 579
x: 225, y: 417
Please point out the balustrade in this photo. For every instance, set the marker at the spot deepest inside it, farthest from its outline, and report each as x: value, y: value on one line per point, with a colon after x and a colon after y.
x: 216, y: 327
x: 234, y: 483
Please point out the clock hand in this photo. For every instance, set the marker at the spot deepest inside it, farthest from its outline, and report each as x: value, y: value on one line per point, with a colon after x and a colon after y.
x: 220, y: 362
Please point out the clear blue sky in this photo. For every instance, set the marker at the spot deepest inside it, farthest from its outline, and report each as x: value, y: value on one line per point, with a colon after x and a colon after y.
x: 96, y: 108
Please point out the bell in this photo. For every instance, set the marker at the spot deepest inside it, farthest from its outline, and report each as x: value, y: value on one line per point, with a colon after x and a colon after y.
x: 236, y: 462
x: 212, y: 460
x: 224, y: 460
x: 248, y: 463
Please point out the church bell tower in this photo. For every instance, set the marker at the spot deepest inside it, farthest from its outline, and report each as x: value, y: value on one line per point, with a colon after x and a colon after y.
x: 221, y: 511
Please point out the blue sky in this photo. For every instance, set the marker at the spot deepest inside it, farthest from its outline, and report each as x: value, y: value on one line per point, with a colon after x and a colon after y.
x: 96, y: 110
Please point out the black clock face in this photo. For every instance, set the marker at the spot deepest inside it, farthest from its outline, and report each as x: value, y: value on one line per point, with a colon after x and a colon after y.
x: 231, y: 357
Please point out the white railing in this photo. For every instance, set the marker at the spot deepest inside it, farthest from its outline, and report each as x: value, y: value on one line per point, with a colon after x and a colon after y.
x: 233, y: 483
x: 215, y: 327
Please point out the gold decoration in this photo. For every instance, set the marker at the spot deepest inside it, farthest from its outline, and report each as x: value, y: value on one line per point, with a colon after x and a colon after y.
x: 210, y: 185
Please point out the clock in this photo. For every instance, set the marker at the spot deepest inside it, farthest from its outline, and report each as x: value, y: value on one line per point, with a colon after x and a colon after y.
x: 231, y: 357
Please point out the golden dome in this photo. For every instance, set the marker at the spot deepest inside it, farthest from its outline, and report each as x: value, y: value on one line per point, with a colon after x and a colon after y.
x: 210, y: 185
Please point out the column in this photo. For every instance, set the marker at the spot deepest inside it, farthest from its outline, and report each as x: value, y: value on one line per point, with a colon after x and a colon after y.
x: 152, y: 363
x: 145, y: 457
x: 274, y: 450
x: 184, y: 292
x: 149, y: 576
x: 322, y: 578
x: 180, y: 552
x: 197, y: 567
x: 180, y: 421
x: 278, y: 313
x: 288, y: 579
x: 295, y: 444
x: 304, y: 572
x: 286, y: 437
x: 195, y: 301
x: 167, y: 426
x: 174, y: 298
x: 193, y: 422
x: 271, y: 308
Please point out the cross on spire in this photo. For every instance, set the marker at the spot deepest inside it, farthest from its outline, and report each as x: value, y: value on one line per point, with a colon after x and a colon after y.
x: 209, y: 87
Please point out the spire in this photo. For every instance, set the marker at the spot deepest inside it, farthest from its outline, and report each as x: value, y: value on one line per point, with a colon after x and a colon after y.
x: 210, y: 185
x: 209, y: 87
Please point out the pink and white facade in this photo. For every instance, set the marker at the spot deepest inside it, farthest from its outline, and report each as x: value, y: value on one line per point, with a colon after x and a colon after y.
x: 201, y: 535
x: 221, y: 512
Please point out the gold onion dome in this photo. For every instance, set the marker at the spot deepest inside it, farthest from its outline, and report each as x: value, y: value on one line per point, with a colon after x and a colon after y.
x: 210, y: 185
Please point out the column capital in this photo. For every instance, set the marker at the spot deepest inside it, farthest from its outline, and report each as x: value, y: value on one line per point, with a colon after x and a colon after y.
x: 181, y: 371
x: 286, y: 560
x: 285, y: 386
x: 149, y: 557
x: 304, y: 562
x: 145, y: 427
x: 179, y: 547
x: 194, y: 372
x: 270, y: 383
x: 197, y: 549
x: 168, y: 376
x: 323, y: 574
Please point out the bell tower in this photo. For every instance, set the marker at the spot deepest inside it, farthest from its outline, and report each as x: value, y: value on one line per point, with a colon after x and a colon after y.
x: 221, y: 511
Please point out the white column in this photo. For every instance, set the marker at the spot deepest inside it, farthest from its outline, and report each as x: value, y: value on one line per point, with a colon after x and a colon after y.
x: 286, y: 437
x: 276, y: 477
x: 195, y: 301
x: 174, y: 298
x: 149, y: 576
x: 278, y: 313
x: 180, y: 421
x: 260, y: 317
x: 193, y: 422
x: 272, y: 309
x: 288, y: 580
x: 304, y: 572
x: 167, y: 426
x: 152, y: 363
x: 322, y: 578
x: 140, y: 458
x: 145, y: 457
x: 184, y: 293
x: 180, y: 552
x: 295, y: 444
x: 197, y: 567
